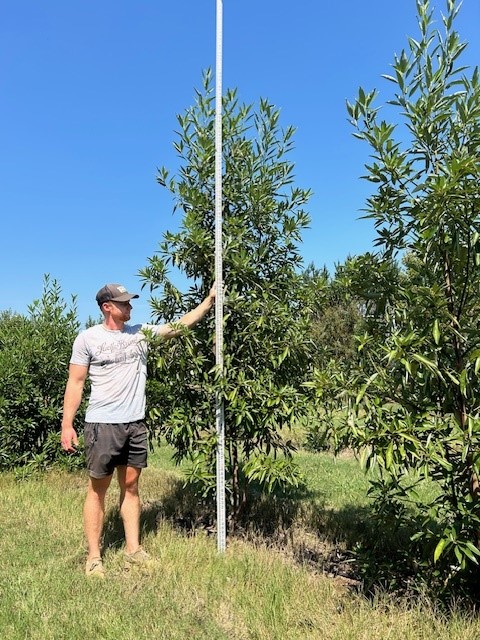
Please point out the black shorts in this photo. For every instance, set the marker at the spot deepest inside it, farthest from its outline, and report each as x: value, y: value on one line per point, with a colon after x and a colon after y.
x: 111, y: 445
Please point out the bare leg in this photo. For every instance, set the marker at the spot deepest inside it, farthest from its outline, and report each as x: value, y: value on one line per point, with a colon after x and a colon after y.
x: 93, y: 513
x: 128, y: 478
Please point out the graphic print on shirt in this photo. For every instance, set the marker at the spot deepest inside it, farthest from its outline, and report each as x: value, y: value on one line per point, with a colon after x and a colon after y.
x: 124, y: 350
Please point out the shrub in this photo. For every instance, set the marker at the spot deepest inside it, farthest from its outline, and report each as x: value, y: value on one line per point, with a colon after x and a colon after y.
x: 34, y: 355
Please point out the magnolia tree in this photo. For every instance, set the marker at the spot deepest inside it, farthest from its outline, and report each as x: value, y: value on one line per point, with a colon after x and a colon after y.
x: 414, y: 404
x: 266, y: 346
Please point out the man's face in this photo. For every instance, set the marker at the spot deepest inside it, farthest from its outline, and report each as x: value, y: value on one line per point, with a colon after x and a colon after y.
x: 119, y: 311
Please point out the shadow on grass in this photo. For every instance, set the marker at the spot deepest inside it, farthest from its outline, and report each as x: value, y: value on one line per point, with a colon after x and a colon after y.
x: 178, y: 505
x: 295, y: 522
x: 113, y: 534
x: 349, y: 544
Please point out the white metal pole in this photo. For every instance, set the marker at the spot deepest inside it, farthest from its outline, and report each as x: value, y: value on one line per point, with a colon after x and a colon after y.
x: 219, y: 413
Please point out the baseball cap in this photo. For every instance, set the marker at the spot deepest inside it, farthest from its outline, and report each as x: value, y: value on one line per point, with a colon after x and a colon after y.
x: 115, y: 293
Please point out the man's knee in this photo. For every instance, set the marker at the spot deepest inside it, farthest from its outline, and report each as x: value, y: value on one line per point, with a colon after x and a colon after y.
x: 99, y: 486
x: 128, y: 478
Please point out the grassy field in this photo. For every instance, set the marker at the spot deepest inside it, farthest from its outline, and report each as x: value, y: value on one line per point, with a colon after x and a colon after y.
x: 259, y: 589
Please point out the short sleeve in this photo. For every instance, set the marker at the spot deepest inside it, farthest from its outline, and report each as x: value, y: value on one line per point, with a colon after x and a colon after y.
x: 154, y: 328
x: 80, y: 352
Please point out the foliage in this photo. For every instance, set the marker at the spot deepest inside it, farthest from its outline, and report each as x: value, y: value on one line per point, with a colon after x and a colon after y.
x: 413, y: 404
x: 351, y: 302
x: 266, y: 346
x: 34, y: 354
x: 336, y: 314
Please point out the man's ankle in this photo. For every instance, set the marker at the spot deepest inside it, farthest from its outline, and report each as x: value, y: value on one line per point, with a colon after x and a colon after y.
x: 131, y: 550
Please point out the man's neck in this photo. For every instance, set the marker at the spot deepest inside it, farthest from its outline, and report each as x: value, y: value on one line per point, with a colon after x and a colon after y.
x: 113, y: 325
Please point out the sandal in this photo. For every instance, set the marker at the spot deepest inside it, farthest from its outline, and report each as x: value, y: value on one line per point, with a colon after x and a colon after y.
x: 140, y: 556
x: 94, y: 567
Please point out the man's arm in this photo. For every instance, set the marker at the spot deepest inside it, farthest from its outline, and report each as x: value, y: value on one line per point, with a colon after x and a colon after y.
x: 71, y: 401
x: 191, y: 318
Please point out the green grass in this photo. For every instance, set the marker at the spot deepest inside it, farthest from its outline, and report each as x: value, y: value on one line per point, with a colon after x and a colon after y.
x: 338, y: 481
x: 254, y: 591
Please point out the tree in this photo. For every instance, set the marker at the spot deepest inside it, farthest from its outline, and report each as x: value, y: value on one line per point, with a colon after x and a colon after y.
x: 344, y: 306
x: 414, y: 403
x: 335, y: 315
x: 266, y: 346
x: 34, y: 355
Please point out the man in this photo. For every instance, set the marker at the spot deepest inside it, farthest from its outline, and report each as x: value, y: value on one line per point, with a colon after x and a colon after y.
x: 114, y: 356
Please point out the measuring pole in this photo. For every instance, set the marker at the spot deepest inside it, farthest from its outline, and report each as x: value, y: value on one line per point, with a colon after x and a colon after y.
x: 219, y: 411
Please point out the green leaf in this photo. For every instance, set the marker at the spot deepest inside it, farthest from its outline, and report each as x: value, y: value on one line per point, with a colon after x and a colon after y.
x: 440, y: 548
x: 436, y: 331
x: 389, y: 456
x: 430, y: 364
x: 473, y: 548
x: 364, y: 388
x: 365, y: 456
x: 463, y: 382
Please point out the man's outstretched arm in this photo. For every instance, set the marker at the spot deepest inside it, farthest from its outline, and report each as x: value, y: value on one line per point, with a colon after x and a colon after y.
x: 191, y: 318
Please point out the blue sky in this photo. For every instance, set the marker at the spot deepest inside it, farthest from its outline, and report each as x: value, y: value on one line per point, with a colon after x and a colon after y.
x: 89, y: 92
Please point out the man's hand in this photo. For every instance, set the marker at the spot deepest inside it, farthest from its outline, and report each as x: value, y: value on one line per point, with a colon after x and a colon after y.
x: 69, y: 439
x: 213, y: 291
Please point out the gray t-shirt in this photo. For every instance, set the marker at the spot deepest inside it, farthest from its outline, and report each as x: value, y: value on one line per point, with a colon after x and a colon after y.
x: 117, y: 368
